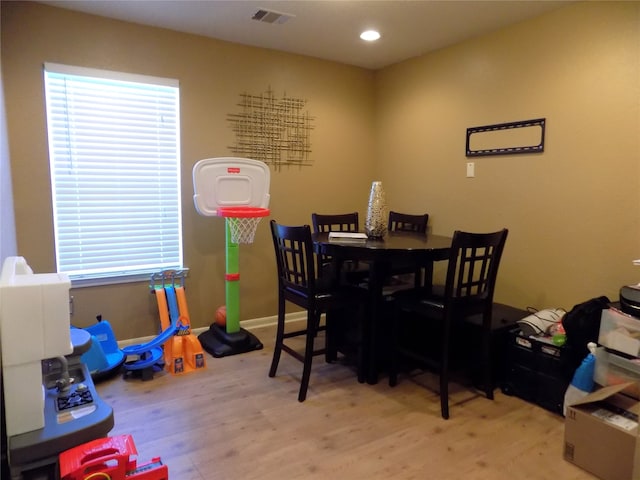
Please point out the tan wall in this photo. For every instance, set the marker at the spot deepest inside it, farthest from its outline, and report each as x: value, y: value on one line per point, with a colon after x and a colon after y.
x: 212, y: 75
x: 8, y: 245
x: 573, y: 211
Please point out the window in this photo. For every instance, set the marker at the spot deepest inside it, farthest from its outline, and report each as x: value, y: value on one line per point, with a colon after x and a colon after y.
x: 114, y: 153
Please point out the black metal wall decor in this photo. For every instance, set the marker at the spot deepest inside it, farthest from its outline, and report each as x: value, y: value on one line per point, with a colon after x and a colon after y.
x: 274, y: 130
x: 526, y: 136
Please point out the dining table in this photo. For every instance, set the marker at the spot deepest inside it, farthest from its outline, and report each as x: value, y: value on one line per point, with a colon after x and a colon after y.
x: 382, y: 254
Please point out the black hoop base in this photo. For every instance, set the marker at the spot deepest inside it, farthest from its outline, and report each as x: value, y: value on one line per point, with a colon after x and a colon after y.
x: 219, y: 343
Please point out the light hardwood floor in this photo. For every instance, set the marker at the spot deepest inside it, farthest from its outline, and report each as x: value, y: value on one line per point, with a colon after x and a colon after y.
x: 231, y: 421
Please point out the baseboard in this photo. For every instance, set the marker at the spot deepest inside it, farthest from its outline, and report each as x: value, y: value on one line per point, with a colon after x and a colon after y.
x: 249, y: 324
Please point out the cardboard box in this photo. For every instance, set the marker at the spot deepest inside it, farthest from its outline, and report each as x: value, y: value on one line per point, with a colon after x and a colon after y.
x: 601, y: 434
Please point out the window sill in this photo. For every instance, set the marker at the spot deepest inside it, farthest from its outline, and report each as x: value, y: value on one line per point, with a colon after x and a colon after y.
x: 115, y: 280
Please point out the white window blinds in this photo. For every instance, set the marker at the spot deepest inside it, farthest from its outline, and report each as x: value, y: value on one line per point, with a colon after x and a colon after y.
x: 114, y: 152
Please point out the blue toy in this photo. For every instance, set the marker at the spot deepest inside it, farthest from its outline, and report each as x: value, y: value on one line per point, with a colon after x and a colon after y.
x: 147, y: 356
x: 104, y: 358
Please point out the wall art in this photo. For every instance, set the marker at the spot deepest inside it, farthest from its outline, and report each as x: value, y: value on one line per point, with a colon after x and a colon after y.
x: 274, y: 130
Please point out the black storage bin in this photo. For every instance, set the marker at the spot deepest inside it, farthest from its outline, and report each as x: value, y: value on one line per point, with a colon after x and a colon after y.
x: 538, y: 371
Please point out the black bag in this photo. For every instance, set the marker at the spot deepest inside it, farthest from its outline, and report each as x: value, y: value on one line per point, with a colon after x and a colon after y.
x: 582, y: 325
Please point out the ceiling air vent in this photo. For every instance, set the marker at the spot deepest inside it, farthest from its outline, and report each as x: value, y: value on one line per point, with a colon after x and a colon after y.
x: 269, y: 16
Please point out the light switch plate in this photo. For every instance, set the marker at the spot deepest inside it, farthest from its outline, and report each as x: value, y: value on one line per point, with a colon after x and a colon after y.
x: 471, y: 169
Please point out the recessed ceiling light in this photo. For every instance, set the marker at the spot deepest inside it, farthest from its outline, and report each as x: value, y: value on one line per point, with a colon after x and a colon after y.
x: 370, y: 35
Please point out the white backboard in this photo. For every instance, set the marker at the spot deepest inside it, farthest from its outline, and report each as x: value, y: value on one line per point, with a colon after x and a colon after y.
x: 229, y: 182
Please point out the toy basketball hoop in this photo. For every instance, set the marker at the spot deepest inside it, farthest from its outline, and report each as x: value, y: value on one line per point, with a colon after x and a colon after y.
x: 243, y: 221
x: 236, y: 189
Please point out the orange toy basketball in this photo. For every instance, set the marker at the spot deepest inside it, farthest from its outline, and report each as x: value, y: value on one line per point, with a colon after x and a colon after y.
x: 221, y: 316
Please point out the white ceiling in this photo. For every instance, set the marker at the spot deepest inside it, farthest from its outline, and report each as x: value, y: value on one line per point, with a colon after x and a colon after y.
x: 327, y: 29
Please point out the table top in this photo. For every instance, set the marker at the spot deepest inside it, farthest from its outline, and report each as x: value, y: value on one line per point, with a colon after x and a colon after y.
x: 391, y: 241
x: 392, y: 244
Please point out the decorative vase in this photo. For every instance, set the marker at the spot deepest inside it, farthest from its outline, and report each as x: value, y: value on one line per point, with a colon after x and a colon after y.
x: 376, y: 222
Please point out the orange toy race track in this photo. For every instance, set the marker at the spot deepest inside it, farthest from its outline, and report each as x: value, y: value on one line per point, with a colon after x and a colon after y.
x: 182, y: 352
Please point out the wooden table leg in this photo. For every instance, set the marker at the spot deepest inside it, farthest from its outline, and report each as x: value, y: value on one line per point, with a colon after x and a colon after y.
x: 372, y: 326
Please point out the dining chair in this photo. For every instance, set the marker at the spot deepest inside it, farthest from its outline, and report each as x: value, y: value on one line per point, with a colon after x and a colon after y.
x: 468, y: 290
x: 298, y: 284
x: 341, y: 222
x: 404, y: 222
x: 351, y: 272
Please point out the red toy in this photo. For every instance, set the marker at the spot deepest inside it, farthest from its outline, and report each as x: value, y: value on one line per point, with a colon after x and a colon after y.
x: 113, y: 458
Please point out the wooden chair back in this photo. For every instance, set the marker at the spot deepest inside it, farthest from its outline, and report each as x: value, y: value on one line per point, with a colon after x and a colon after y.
x: 403, y: 222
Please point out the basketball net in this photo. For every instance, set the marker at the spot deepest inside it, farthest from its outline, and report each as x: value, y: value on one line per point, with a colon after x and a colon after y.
x: 243, y: 222
x: 243, y: 230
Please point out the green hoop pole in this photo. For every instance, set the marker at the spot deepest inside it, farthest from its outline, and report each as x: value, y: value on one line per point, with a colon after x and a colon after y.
x: 232, y: 287
x: 232, y: 276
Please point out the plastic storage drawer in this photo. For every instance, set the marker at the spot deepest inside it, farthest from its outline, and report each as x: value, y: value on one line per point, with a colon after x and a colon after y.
x: 613, y: 369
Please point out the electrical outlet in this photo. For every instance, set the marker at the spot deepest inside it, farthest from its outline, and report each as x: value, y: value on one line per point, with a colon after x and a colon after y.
x: 471, y: 169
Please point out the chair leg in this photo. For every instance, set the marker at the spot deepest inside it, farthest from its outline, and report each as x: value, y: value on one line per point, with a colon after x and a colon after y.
x: 361, y: 370
x: 444, y: 393
x: 277, y: 349
x: 444, y: 370
x: 393, y: 358
x: 486, y: 363
x: 308, y: 356
x: 331, y: 349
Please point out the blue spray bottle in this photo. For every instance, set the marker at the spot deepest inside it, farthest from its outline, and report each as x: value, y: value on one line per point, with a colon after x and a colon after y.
x: 582, y: 382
